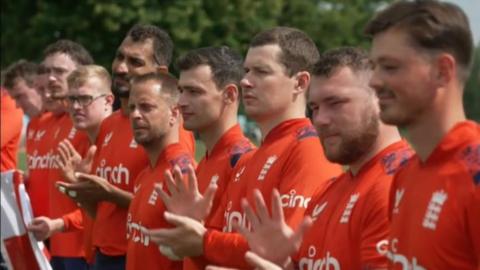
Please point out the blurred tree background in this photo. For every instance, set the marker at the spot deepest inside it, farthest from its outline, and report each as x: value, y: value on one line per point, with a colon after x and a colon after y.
x: 27, y: 26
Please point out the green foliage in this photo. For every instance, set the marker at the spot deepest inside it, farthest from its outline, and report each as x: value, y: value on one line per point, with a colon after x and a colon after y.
x: 28, y: 26
x: 471, y: 97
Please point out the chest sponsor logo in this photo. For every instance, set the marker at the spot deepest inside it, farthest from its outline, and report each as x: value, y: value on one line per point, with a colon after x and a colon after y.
x: 136, y: 232
x: 238, y: 174
x: 398, y: 198
x: 266, y: 167
x: 292, y: 200
x: 133, y: 144
x: 214, y: 179
x: 72, y: 133
x: 234, y: 217
x: 396, y: 258
x: 39, y: 135
x: 318, y: 210
x: 434, y: 209
x: 311, y: 263
x: 136, y: 188
x: 46, y: 161
x: 349, y: 208
x: 117, y: 174
x: 107, y: 139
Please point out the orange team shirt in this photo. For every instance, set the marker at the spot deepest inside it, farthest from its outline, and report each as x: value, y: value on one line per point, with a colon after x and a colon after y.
x: 146, y: 212
x: 120, y: 159
x: 11, y: 126
x: 435, y: 206
x: 291, y: 160
x: 351, y: 216
x: 39, y: 159
x: 65, y: 244
x: 217, y: 167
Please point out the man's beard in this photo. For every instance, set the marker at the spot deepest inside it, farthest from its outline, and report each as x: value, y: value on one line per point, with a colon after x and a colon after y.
x: 120, y: 90
x: 354, y: 147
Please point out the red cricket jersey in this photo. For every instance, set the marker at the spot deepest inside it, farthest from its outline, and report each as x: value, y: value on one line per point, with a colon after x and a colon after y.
x: 435, y: 206
x: 11, y: 128
x: 291, y: 160
x: 146, y: 212
x: 39, y: 155
x: 65, y: 244
x: 351, y: 216
x: 218, y: 167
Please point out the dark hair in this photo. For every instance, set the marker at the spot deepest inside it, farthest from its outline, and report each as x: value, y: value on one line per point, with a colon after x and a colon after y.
x: 168, y: 82
x: 76, y: 51
x: 431, y: 25
x: 298, y: 51
x: 225, y: 63
x: 21, y: 69
x: 354, y: 58
x: 162, y: 43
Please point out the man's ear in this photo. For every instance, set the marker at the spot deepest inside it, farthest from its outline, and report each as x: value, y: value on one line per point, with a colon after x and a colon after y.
x: 302, y: 82
x: 445, y: 69
x: 230, y: 93
x: 174, y: 114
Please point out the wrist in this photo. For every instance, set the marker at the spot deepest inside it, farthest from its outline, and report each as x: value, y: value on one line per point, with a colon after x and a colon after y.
x: 58, y: 225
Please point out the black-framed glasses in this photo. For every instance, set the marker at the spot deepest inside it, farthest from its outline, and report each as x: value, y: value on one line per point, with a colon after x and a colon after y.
x: 83, y: 100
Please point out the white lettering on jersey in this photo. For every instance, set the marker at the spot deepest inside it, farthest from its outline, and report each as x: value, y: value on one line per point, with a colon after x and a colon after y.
x: 310, y: 263
x: 234, y: 217
x: 348, y: 209
x: 396, y: 258
x: 398, y: 198
x: 136, y: 232
x: 116, y: 175
x: 107, y: 138
x: 318, y: 210
x: 292, y: 200
x: 434, y: 209
x: 266, y: 167
x: 46, y: 161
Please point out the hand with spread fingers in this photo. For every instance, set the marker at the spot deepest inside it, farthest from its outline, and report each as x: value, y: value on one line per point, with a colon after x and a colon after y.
x: 185, y: 240
x: 254, y: 260
x: 270, y: 237
x: 70, y: 161
x: 185, y: 199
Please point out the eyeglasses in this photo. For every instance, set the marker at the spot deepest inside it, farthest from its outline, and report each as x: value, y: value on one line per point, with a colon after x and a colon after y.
x: 83, y: 100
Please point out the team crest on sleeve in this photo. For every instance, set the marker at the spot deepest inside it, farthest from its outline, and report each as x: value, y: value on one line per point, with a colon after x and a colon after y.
x: 396, y: 160
x: 470, y: 157
x: 306, y: 132
x: 182, y: 161
x: 238, y: 150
